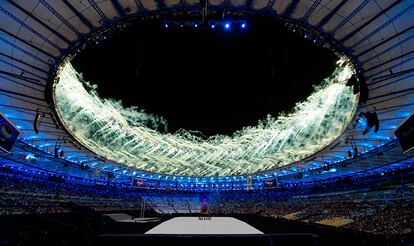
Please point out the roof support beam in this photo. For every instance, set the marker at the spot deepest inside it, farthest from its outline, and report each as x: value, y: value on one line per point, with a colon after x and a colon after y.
x: 270, y: 4
x: 60, y: 17
x: 22, y: 84
x: 23, y: 62
x: 395, y: 107
x: 56, y: 133
x: 44, y: 139
x: 118, y: 7
x: 21, y: 94
x: 23, y: 51
x: 30, y: 29
x: 391, y: 60
x: 390, y: 119
x: 382, y: 12
x: 19, y: 109
x: 393, y: 93
x: 390, y: 48
x: 290, y: 9
x: 390, y: 83
x: 311, y: 10
x: 21, y: 69
x: 141, y: 7
x: 98, y: 10
x: 366, y: 37
x: 390, y: 101
x: 27, y: 43
x: 386, y: 40
x: 393, y: 66
x: 331, y: 14
x: 390, y: 76
x: 63, y: 38
x: 21, y: 77
x: 46, y: 124
x: 27, y: 101
x: 80, y: 16
x: 350, y: 16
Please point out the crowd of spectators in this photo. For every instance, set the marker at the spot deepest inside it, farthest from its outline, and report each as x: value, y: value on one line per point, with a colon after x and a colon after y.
x: 385, y: 209
x: 170, y: 203
x: 396, y: 217
x: 21, y: 194
x: 385, y: 212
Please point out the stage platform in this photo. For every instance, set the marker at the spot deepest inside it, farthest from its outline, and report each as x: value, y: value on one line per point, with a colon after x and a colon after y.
x: 274, y: 232
x: 206, y: 231
x: 204, y: 225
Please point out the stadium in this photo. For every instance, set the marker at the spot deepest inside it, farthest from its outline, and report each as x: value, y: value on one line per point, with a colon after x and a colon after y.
x: 268, y: 122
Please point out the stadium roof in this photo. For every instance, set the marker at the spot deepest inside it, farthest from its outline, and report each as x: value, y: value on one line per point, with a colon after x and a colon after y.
x: 378, y: 35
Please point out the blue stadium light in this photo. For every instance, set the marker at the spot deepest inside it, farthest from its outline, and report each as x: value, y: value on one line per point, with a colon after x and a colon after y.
x: 227, y: 26
x: 213, y: 26
x: 243, y: 25
x: 166, y: 25
x: 195, y: 25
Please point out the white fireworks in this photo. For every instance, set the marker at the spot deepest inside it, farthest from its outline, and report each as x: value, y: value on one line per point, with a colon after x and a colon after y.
x: 127, y: 135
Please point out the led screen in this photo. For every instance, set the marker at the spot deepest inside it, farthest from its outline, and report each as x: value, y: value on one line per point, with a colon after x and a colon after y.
x: 8, y: 134
x: 405, y: 134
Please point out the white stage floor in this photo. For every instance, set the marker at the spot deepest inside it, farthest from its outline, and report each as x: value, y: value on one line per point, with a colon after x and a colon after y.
x: 193, y: 225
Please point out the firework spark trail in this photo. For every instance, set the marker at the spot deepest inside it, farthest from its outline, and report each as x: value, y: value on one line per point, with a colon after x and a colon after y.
x: 122, y: 134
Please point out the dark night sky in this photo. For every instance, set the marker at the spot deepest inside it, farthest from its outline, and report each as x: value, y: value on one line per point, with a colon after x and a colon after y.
x: 214, y: 82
